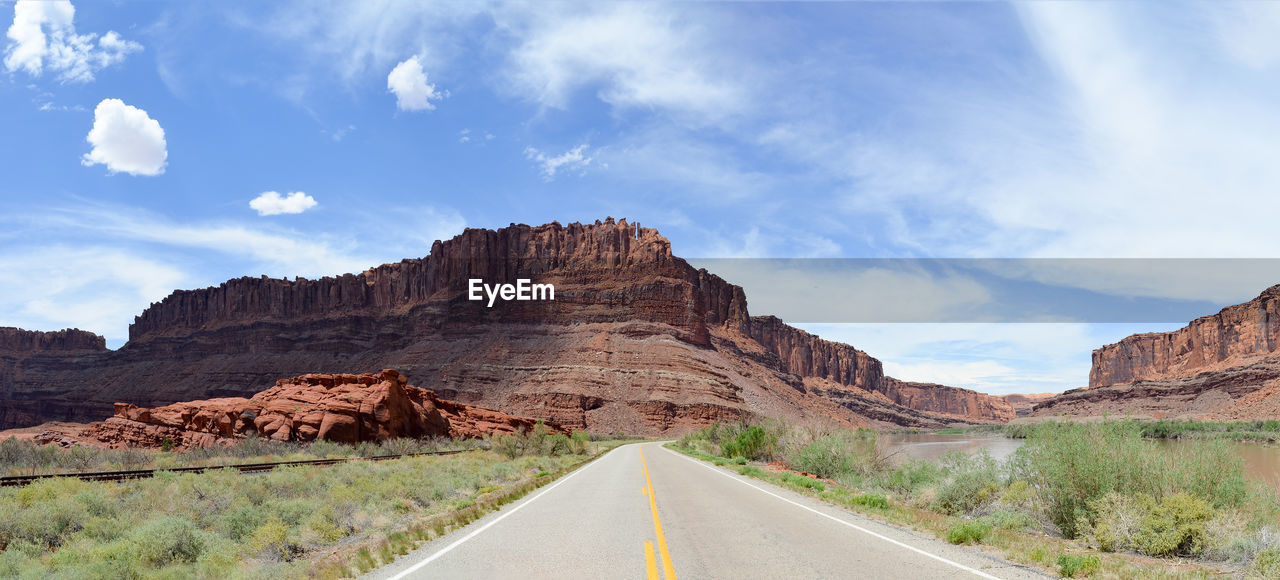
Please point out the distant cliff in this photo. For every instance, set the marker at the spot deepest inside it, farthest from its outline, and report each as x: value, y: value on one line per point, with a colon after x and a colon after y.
x: 636, y: 340
x: 1234, y: 334
x: 1222, y: 366
x: 16, y: 340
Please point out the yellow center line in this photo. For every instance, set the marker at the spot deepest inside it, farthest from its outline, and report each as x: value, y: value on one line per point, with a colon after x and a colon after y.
x: 650, y: 566
x: 668, y: 571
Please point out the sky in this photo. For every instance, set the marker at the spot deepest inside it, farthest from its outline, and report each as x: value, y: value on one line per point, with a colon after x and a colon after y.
x: 150, y: 146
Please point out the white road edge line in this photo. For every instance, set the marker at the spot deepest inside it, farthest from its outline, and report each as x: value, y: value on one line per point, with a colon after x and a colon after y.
x: 460, y: 541
x: 835, y: 519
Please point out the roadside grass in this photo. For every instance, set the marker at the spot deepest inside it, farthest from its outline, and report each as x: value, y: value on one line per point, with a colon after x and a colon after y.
x: 292, y: 522
x: 24, y: 457
x: 1109, y: 501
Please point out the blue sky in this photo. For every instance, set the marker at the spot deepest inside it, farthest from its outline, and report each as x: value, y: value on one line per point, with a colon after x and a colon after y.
x: 136, y: 135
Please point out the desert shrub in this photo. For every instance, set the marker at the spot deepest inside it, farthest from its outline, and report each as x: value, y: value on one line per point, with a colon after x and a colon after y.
x: 1174, y: 527
x: 912, y: 476
x: 1119, y: 517
x: 168, y: 540
x: 1073, y: 464
x: 971, y: 532
x: 1018, y: 495
x: 1072, y: 565
x: 872, y: 500
x: 1266, y: 564
x: 271, y: 541
x: 752, y: 442
x: 578, y: 442
x: 750, y: 470
x: 802, y: 481
x: 841, y: 454
x: 1010, y: 520
x: 973, y: 481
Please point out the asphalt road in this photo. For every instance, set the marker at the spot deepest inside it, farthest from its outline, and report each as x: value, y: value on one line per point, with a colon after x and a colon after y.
x: 643, y: 511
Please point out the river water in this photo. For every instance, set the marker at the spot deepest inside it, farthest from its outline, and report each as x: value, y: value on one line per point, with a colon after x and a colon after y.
x: 1262, y: 462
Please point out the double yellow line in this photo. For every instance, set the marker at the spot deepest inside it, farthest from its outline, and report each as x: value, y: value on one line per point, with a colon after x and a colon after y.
x: 651, y: 566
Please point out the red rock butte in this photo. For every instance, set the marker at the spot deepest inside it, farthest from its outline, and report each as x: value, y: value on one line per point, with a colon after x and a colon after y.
x: 636, y: 340
x: 345, y: 408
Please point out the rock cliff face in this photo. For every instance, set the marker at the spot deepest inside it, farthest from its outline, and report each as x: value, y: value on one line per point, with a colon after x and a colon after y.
x: 1236, y: 334
x: 73, y: 340
x: 636, y: 340
x: 334, y: 407
x: 1212, y: 368
x: 1023, y: 404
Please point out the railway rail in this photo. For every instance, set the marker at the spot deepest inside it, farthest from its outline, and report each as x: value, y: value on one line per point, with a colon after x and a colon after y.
x: 19, y: 480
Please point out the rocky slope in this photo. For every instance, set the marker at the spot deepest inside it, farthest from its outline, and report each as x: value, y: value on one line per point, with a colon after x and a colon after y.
x: 1215, y: 367
x: 636, y: 340
x: 335, y: 407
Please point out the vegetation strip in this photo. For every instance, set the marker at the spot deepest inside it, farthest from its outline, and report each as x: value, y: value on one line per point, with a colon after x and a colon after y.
x: 1150, y: 510
x: 18, y: 480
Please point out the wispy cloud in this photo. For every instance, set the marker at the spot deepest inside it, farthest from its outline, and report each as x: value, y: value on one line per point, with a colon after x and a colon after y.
x: 576, y: 159
x: 43, y: 38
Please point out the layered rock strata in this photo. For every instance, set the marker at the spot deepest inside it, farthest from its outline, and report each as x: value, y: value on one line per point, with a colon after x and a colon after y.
x: 1222, y: 366
x: 345, y: 408
x: 636, y: 340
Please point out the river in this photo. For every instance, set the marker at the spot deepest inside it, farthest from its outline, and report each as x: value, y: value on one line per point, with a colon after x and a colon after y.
x: 1262, y: 462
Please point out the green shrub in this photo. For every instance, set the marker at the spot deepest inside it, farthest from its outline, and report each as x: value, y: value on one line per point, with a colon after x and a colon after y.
x: 1070, y: 565
x: 841, y: 454
x: 750, y: 470
x: 739, y: 460
x: 971, y: 532
x: 1072, y: 465
x: 752, y: 442
x: 912, y: 476
x: 1266, y: 564
x: 1175, y: 527
x: 1011, y: 520
x: 1118, y: 519
x: 802, y: 481
x: 271, y: 540
x: 973, y: 481
x: 872, y: 500
x: 168, y: 540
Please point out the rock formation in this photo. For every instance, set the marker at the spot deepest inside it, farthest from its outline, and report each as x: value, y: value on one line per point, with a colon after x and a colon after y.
x: 336, y: 407
x: 1237, y: 334
x: 1022, y: 404
x: 1212, y: 368
x: 69, y: 341
x: 636, y: 340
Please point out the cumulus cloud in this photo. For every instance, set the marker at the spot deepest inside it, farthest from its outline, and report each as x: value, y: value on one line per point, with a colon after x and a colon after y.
x: 43, y: 37
x: 125, y: 139
x: 272, y: 203
x: 410, y: 86
x: 573, y: 159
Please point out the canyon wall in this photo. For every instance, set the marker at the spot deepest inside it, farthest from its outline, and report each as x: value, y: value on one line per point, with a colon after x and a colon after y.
x: 16, y: 341
x: 1234, y: 335
x: 1222, y: 366
x: 635, y: 340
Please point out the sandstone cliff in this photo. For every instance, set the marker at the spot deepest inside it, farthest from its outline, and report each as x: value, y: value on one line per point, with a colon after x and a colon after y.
x: 636, y: 340
x: 1212, y: 368
x: 1023, y: 404
x: 71, y: 340
x: 1236, y: 334
x: 335, y: 407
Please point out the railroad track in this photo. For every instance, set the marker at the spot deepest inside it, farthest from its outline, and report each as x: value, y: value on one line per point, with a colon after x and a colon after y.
x: 19, y: 480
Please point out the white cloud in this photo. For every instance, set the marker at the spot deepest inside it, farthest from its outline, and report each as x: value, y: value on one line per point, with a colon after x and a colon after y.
x: 272, y: 203
x: 96, y: 289
x: 409, y: 84
x: 126, y: 139
x: 639, y: 55
x: 43, y: 37
x: 573, y: 159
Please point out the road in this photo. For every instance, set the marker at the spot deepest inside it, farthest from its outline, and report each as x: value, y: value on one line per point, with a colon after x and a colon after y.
x: 643, y: 511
